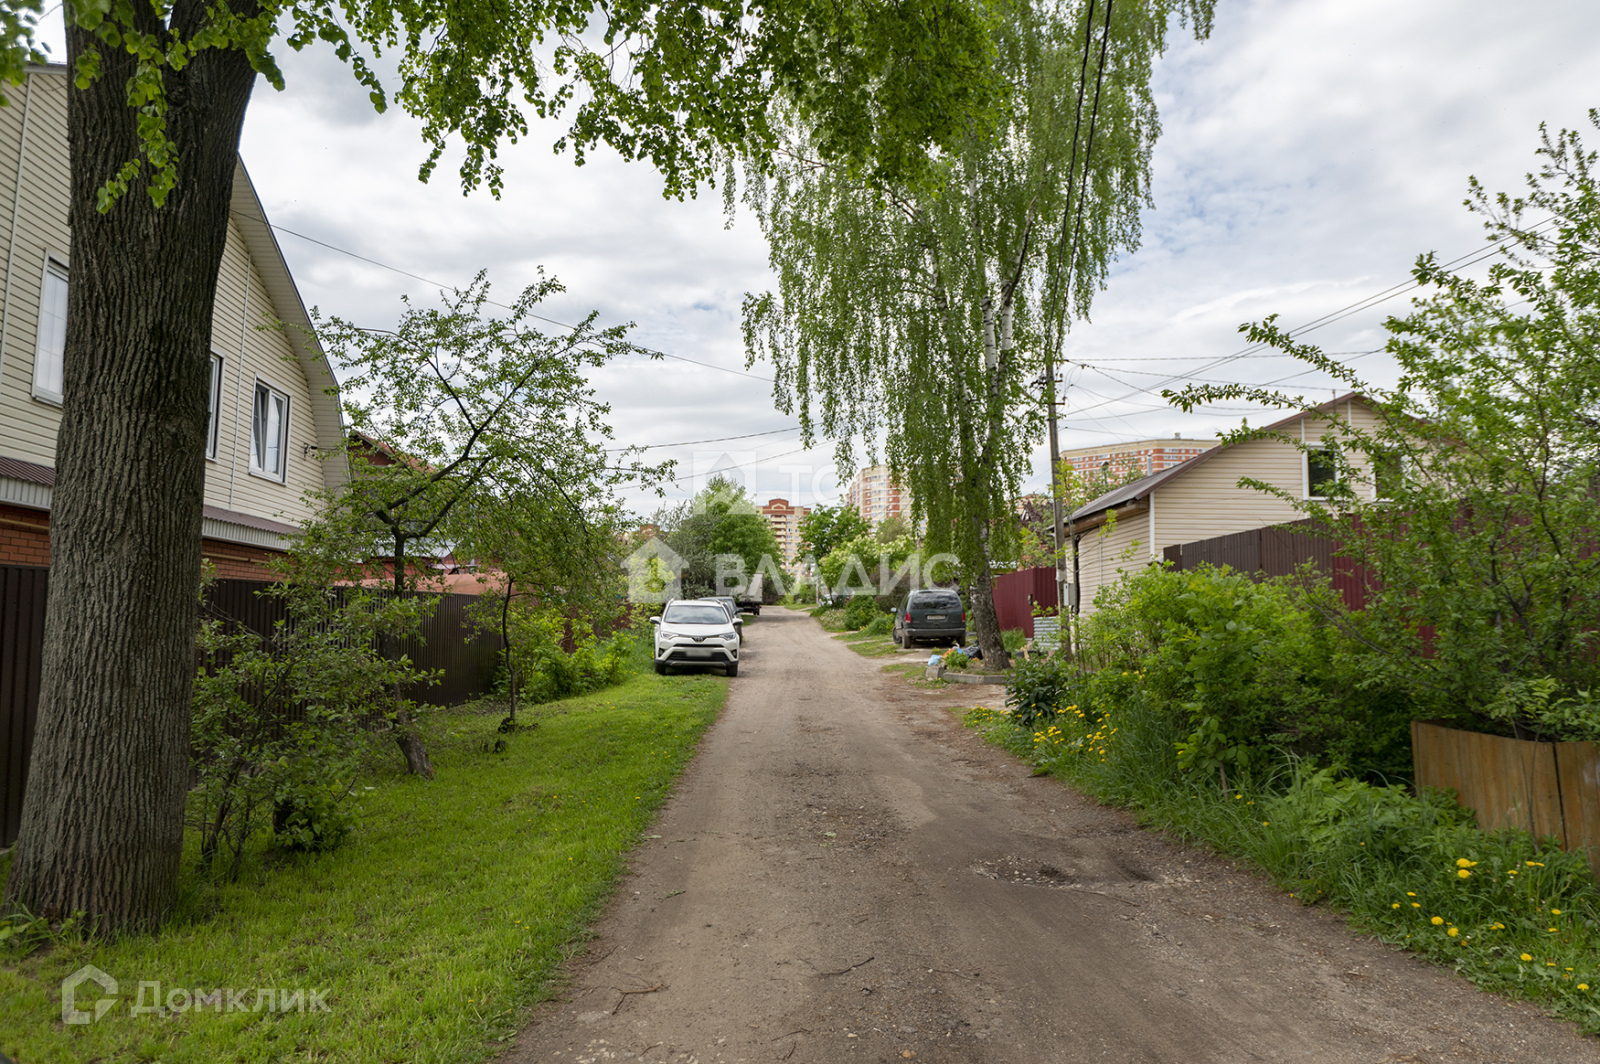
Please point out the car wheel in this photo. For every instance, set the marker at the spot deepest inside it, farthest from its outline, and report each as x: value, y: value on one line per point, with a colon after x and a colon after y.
x: 661, y: 668
x: 731, y: 670
x: 906, y: 640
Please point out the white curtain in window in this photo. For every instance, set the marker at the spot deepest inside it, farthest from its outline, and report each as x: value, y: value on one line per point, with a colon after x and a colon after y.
x: 47, y: 365
x: 267, y: 430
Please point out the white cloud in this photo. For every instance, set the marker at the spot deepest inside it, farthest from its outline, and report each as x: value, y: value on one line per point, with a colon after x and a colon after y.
x: 1310, y: 151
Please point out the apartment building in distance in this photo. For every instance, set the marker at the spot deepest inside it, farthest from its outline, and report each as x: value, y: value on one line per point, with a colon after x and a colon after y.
x: 877, y: 498
x: 1147, y: 457
x: 785, y: 522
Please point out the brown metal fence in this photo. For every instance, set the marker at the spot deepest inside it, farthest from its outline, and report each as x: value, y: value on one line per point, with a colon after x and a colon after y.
x: 1277, y: 550
x: 1549, y: 789
x: 22, y: 592
x: 448, y: 642
x: 1017, y: 593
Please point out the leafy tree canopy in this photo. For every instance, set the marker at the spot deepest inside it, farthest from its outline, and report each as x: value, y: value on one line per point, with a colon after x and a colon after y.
x: 827, y: 526
x: 1475, y: 501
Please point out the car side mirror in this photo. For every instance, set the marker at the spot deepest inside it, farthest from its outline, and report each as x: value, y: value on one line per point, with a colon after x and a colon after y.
x: 655, y: 620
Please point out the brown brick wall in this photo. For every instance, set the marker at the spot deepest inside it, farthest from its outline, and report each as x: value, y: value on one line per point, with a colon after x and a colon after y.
x: 24, y: 536
x: 235, y: 561
x: 25, y: 540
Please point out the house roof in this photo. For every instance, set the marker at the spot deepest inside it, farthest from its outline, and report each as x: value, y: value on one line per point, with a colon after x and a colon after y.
x: 1137, y: 490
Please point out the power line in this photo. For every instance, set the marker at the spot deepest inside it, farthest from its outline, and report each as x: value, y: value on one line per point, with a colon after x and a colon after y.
x: 742, y: 465
x: 718, y: 439
x: 1469, y: 259
x: 639, y: 348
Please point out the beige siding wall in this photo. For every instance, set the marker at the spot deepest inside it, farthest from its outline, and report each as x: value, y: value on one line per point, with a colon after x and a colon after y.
x: 1206, y: 500
x: 250, y: 353
x: 1104, y: 556
x: 28, y: 425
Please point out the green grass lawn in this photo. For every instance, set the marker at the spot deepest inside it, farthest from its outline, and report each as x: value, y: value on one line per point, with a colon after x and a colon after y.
x: 431, y: 931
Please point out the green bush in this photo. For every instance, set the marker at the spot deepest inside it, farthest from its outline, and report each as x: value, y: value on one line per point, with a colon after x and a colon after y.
x: 859, y: 612
x: 882, y: 624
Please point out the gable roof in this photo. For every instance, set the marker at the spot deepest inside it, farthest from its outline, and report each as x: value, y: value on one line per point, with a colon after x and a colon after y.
x: 267, y: 256
x: 1140, y: 489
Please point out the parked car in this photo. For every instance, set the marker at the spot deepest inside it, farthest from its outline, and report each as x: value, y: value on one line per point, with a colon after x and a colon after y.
x: 733, y: 609
x: 934, y: 614
x: 696, y: 632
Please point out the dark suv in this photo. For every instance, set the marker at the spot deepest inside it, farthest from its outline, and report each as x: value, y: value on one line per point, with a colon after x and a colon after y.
x: 932, y: 614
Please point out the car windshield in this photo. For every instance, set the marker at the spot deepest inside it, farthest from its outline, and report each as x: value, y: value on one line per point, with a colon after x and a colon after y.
x: 935, y: 600
x: 694, y: 613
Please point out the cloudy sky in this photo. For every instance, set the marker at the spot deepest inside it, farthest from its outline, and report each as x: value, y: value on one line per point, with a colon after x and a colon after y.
x: 1311, y: 150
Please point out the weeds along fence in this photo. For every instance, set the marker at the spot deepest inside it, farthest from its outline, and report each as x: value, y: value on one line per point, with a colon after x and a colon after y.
x: 1551, y: 790
x: 448, y: 642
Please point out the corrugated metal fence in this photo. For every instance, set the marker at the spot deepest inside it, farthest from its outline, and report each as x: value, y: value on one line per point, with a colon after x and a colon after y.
x: 1549, y: 789
x: 1278, y: 550
x: 448, y: 641
x: 1016, y: 594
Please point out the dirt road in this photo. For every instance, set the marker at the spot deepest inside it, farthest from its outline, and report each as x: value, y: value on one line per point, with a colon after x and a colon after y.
x: 846, y: 874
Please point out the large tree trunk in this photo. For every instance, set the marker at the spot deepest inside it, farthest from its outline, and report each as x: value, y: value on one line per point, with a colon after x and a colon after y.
x: 102, y: 820
x: 984, y: 620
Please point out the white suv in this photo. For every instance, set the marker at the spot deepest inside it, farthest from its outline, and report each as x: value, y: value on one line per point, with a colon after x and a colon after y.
x: 696, y: 632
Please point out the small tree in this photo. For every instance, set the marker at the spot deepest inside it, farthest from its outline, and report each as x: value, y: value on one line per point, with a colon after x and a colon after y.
x: 458, y: 420
x: 282, y: 720
x: 1475, y: 503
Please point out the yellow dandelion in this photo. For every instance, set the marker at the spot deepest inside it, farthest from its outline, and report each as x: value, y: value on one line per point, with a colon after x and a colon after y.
x: 1436, y: 920
x: 1463, y: 873
x: 1497, y: 927
x: 1534, y: 864
x: 1396, y: 905
x: 1527, y: 956
x: 1583, y: 986
x: 1555, y: 912
x: 1462, y: 862
x: 1452, y: 932
x: 1416, y: 905
x: 1411, y: 894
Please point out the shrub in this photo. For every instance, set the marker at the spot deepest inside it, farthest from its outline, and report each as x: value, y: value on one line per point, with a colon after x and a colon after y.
x: 859, y: 612
x: 882, y: 624
x: 283, y: 722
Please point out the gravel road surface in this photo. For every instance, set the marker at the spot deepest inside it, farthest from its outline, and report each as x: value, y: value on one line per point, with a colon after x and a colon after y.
x: 846, y: 874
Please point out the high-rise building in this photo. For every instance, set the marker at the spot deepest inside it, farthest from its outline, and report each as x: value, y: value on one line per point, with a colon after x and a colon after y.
x: 1141, y: 457
x: 877, y: 498
x: 785, y: 522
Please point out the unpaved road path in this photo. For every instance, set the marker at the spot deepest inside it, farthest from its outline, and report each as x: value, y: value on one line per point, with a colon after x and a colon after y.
x: 846, y: 874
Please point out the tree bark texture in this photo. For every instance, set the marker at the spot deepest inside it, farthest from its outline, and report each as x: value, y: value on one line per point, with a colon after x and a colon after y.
x: 102, y: 820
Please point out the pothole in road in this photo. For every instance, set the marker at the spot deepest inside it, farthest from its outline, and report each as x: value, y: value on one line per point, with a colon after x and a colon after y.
x: 1034, y: 872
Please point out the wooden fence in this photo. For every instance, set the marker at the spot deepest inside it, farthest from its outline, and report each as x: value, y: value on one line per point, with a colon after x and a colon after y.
x: 1549, y: 789
x: 448, y: 642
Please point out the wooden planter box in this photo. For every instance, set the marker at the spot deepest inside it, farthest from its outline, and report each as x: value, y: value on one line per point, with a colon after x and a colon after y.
x: 1549, y: 789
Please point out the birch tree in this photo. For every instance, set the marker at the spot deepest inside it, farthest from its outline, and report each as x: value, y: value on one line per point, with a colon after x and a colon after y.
x: 916, y: 310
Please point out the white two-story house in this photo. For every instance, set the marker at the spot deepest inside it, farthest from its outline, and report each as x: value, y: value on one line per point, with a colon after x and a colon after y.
x: 272, y: 411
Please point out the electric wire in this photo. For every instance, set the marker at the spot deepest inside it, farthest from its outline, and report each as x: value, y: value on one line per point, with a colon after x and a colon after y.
x: 637, y: 348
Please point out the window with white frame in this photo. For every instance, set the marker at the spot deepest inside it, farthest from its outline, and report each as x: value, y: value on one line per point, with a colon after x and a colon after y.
x: 214, y: 407
x: 50, y: 354
x: 269, y: 432
x: 1321, y: 470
